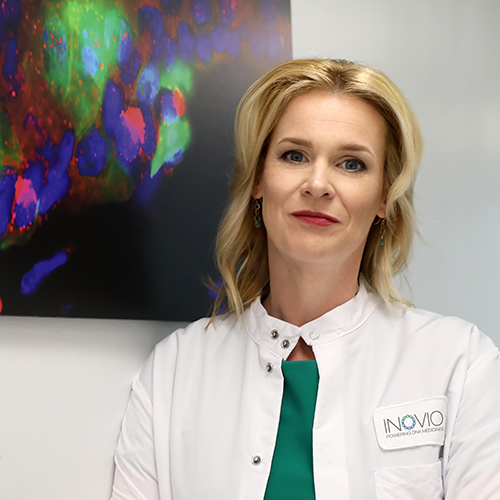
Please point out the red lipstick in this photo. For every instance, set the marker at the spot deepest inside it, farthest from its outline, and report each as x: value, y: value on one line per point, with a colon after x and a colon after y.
x: 315, y: 218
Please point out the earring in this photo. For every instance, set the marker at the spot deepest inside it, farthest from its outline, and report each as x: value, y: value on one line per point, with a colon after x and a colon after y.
x: 256, y: 218
x: 382, y: 233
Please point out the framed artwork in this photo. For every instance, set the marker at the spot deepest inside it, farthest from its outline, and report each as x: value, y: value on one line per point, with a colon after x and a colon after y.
x: 116, y: 144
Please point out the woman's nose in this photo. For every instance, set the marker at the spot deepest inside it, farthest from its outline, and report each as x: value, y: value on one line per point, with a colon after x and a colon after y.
x: 319, y: 182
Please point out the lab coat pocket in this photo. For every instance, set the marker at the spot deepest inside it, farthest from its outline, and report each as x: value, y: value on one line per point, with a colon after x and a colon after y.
x: 417, y: 482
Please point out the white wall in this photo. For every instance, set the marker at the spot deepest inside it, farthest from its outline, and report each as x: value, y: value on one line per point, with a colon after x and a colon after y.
x: 443, y: 54
x: 64, y: 383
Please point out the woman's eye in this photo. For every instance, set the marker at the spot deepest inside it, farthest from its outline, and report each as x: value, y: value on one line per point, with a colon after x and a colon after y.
x: 294, y: 156
x: 353, y: 165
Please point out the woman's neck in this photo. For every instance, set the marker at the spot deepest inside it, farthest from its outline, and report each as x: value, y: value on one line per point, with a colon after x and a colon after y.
x: 303, y: 294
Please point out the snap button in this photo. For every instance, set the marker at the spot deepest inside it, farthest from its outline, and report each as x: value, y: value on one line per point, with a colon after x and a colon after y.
x: 269, y: 367
x: 274, y: 334
x: 314, y: 335
x: 285, y: 344
x: 256, y: 460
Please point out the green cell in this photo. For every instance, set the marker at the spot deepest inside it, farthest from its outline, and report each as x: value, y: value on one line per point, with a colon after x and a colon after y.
x: 172, y: 137
x: 180, y: 76
x: 87, y: 39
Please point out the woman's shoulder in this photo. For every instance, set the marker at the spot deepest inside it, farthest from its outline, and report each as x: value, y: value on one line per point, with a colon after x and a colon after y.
x: 203, y: 337
x: 192, y: 347
x: 437, y: 329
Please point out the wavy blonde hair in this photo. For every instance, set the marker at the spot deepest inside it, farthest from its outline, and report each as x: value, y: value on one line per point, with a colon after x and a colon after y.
x: 241, y: 249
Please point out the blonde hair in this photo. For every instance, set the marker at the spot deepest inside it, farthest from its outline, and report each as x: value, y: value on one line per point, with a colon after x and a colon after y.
x: 241, y: 249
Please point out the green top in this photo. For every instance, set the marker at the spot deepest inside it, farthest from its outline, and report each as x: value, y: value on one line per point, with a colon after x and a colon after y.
x: 291, y: 476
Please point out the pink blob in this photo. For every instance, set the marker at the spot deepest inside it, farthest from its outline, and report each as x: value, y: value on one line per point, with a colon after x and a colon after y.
x: 134, y: 121
x: 25, y: 194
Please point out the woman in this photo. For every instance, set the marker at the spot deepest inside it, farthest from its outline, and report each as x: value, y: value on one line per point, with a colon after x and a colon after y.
x: 319, y: 381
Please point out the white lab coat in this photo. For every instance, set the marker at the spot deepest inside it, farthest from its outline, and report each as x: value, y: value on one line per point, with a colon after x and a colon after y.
x: 408, y: 407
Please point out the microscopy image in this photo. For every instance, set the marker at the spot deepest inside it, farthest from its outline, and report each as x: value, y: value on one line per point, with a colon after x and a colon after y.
x: 115, y: 147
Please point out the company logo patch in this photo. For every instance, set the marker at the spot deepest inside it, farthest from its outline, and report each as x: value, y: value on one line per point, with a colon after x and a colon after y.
x: 415, y: 423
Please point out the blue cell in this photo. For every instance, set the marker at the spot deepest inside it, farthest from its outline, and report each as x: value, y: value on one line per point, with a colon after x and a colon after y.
x: 85, y: 34
x: 204, y: 47
x: 178, y: 156
x: 125, y: 44
x: 11, y: 59
x: 169, y: 165
x: 201, y: 11
x: 227, y: 10
x: 59, y: 154
x: 112, y: 107
x: 148, y: 85
x: 10, y: 69
x: 170, y: 53
x: 24, y: 211
x: 146, y: 188
x: 150, y: 19
x: 90, y: 153
x: 131, y: 68
x: 8, y: 178
x: 187, y: 42
x: 90, y: 60
x: 56, y: 187
x: 168, y: 111
x: 128, y: 143
x: 220, y: 37
x: 36, y: 276
x: 127, y: 149
x: 36, y: 174
x: 149, y: 145
x: 58, y: 180
x: 172, y: 160
x: 63, y: 151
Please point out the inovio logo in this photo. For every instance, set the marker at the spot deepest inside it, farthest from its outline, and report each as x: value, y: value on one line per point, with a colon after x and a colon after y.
x: 413, y: 423
x: 409, y: 422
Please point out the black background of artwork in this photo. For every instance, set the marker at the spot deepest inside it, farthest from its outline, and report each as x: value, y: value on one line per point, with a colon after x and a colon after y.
x: 144, y: 262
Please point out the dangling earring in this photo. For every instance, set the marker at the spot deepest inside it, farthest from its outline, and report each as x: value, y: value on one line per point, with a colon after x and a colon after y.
x: 382, y: 233
x: 256, y: 218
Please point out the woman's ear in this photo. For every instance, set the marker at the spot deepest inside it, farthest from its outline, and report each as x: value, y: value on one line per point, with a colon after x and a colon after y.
x: 382, y: 210
x: 381, y: 213
x: 257, y: 191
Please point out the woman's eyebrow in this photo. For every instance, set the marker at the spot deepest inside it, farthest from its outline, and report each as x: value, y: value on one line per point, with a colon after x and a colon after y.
x: 343, y: 147
x: 356, y: 147
x: 294, y: 140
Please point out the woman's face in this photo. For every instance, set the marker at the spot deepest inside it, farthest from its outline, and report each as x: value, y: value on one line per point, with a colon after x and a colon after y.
x: 323, y: 180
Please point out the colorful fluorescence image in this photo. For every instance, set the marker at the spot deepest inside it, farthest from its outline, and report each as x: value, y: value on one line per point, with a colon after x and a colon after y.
x: 116, y: 145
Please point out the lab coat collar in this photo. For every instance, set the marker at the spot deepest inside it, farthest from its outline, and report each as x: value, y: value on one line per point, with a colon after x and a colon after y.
x: 280, y: 337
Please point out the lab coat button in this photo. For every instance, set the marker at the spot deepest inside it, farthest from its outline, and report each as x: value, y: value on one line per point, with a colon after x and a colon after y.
x: 256, y: 460
x: 269, y: 367
x: 285, y: 344
x: 274, y: 334
x: 314, y: 335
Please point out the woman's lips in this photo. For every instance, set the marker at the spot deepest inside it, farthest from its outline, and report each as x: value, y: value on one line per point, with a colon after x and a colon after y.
x: 315, y: 218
